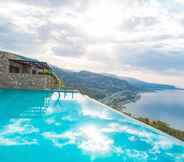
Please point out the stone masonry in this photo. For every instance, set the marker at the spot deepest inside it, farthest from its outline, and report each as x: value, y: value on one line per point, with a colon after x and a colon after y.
x: 23, y: 80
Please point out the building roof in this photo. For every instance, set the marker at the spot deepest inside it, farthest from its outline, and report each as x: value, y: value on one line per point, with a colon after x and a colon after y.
x: 39, y: 64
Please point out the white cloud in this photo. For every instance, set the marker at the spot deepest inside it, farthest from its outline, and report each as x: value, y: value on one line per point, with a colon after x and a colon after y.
x: 95, y: 141
x: 90, y: 139
x: 138, y: 155
x: 95, y: 113
x: 87, y: 34
x: 14, y: 133
x: 180, y: 1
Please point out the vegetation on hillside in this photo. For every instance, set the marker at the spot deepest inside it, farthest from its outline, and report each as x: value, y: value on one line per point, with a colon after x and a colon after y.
x: 119, y: 99
x: 94, y: 85
x: 162, y: 126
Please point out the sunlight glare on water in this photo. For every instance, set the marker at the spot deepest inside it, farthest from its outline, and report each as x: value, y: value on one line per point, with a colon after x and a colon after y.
x: 40, y: 126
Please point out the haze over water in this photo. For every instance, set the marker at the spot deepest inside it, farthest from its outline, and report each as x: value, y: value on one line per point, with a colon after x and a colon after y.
x: 167, y: 106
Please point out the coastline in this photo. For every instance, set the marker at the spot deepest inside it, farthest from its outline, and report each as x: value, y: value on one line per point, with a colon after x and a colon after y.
x: 158, y: 124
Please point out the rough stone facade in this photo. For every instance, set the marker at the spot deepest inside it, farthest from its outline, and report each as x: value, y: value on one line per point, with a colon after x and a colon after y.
x: 23, y: 80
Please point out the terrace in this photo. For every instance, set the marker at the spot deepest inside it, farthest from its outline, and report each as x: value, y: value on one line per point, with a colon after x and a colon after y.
x: 25, y: 73
x: 28, y: 67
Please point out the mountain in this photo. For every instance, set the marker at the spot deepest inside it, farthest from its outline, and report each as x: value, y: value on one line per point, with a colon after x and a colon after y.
x: 95, y: 85
x: 142, y: 85
x: 110, y: 89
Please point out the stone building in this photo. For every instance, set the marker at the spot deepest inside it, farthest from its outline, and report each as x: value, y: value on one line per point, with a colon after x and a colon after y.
x: 21, y: 72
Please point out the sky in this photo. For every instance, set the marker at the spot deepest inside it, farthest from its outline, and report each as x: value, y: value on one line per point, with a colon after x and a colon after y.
x: 143, y: 39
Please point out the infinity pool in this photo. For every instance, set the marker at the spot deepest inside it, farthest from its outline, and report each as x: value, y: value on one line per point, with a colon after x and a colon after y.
x: 40, y: 126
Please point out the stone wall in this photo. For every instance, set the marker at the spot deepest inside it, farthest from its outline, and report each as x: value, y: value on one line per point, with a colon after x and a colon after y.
x: 4, y: 64
x: 26, y: 81
x: 23, y: 81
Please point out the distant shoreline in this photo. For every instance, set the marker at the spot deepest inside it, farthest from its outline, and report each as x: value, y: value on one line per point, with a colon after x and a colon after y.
x: 161, y: 125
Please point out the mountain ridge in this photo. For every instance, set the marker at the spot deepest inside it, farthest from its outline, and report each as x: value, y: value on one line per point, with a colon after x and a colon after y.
x: 95, y: 85
x: 143, y: 85
x: 138, y: 84
x: 107, y: 88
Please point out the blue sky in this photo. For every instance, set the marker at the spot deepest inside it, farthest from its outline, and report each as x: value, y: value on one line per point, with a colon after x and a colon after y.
x: 137, y: 38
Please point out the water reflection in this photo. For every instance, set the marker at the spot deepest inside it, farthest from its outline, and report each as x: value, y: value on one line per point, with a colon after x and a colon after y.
x: 17, y: 112
x: 18, y: 132
x: 23, y: 105
x: 88, y: 138
x: 79, y: 126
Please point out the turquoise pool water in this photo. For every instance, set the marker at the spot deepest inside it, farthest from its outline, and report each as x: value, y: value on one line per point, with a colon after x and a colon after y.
x: 36, y: 126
